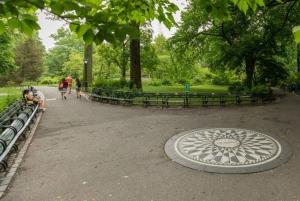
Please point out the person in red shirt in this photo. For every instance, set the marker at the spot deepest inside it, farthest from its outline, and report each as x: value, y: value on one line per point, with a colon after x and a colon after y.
x: 63, y: 87
x: 69, y: 81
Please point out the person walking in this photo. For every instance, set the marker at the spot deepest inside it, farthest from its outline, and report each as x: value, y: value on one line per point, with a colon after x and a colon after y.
x: 69, y: 81
x: 63, y: 87
x: 293, y: 86
x: 78, y: 87
x: 284, y: 87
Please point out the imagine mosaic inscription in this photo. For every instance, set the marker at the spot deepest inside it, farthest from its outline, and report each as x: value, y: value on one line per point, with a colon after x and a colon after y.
x: 227, y: 147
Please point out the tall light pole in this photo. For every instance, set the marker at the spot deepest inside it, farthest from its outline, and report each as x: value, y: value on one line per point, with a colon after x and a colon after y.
x: 85, y: 70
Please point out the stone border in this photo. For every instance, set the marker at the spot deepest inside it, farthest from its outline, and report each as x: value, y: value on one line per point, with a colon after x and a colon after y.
x: 283, y: 157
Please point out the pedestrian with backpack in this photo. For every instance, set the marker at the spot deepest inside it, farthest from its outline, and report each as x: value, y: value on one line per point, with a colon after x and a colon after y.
x: 78, y: 87
x: 293, y: 87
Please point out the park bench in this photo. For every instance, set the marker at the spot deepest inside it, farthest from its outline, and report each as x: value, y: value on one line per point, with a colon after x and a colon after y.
x: 134, y: 97
x: 196, y: 99
x: 248, y: 99
x: 153, y: 99
x: 215, y: 100
x: 267, y: 98
x: 117, y: 97
x: 176, y: 99
x: 180, y: 99
x: 11, y: 111
x: 14, y: 128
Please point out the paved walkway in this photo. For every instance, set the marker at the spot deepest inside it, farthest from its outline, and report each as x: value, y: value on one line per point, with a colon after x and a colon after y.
x: 84, y: 150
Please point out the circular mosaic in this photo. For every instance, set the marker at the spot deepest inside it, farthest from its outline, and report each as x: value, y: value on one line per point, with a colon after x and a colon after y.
x: 227, y: 150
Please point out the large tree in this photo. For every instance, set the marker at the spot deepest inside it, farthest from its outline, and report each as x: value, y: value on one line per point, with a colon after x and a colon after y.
x: 29, y: 60
x: 239, y: 44
x: 6, y: 53
x: 66, y: 43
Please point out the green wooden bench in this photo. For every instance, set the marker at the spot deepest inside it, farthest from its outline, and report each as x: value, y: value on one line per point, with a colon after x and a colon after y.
x: 196, y: 99
x: 154, y: 99
x: 16, y: 127
x: 176, y: 99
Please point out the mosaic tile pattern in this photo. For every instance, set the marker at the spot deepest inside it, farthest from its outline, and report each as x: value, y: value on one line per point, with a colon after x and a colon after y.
x: 227, y: 147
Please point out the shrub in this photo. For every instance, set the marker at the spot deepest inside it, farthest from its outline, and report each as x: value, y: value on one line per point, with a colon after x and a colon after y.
x: 260, y: 89
x: 182, y: 81
x: 155, y: 83
x: 167, y: 82
x: 196, y: 81
x: 50, y: 80
x: 101, y: 82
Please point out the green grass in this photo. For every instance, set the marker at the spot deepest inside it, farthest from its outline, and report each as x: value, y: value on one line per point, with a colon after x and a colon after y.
x: 8, y: 96
x: 181, y: 89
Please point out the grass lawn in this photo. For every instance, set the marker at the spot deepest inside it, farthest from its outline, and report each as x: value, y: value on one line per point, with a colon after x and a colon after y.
x: 8, y: 96
x: 180, y: 89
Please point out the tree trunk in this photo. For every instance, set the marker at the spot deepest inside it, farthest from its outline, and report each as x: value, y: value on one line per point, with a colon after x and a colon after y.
x: 87, y: 72
x: 298, y: 57
x: 123, y: 61
x: 250, y: 66
x: 123, y: 72
x: 135, y: 64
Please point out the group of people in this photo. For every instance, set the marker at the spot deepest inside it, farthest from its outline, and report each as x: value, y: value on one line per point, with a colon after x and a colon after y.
x: 33, y: 98
x: 65, y: 85
x: 293, y: 87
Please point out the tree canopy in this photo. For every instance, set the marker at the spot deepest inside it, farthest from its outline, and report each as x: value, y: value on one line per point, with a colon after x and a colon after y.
x: 93, y: 20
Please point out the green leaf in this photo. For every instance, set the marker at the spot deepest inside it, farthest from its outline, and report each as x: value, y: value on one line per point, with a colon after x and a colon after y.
x: 245, y: 8
x: 208, y: 8
x: 73, y: 26
x: 260, y: 3
x: 161, y: 18
x: 296, y: 33
x: 296, y: 29
x: 142, y: 20
x: 151, y: 14
x: 120, y: 34
x: 26, y: 29
x: 88, y: 37
x: 174, y: 7
x: 32, y: 24
x: 101, y: 16
x: 171, y: 18
x: 235, y: 2
x: 99, y: 38
x: 70, y: 16
x: 297, y: 37
x: 168, y: 24
x: 203, y: 3
x: 57, y: 8
x: 81, y: 29
x: 70, y: 6
x: 110, y: 38
x: 214, y: 12
x: 13, y: 23
x: 147, y: 15
x: 39, y: 3
x: 29, y: 17
x: 130, y: 30
x: 2, y: 27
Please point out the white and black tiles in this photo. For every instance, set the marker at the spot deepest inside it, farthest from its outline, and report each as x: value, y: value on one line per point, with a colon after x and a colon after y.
x: 228, y: 150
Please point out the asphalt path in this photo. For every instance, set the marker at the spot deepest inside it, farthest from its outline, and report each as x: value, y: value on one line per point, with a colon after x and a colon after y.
x: 85, y: 150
